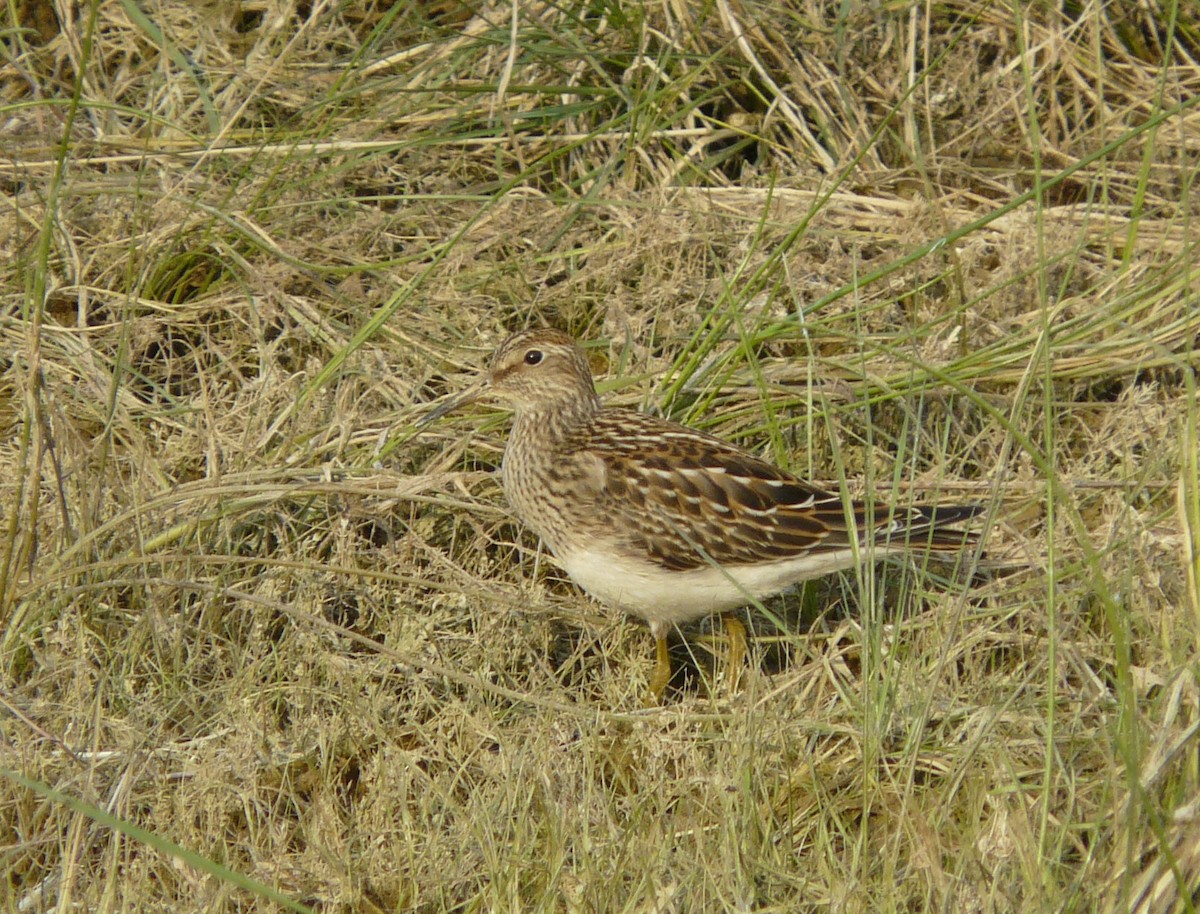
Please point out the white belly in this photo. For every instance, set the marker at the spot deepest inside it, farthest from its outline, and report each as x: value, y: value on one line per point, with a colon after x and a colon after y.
x: 666, y: 598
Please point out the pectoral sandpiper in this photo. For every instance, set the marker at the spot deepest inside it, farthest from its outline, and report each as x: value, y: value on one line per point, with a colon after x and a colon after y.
x: 665, y: 522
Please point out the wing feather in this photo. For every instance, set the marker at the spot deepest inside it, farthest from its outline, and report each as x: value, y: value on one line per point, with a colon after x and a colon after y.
x: 685, y: 499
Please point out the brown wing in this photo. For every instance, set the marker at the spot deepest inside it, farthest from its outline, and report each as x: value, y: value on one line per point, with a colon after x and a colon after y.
x: 686, y: 499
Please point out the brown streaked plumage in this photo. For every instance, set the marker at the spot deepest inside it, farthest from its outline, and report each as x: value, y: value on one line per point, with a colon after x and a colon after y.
x: 663, y: 521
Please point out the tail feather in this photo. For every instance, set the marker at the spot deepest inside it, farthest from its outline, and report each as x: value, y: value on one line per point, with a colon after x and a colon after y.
x: 932, y: 526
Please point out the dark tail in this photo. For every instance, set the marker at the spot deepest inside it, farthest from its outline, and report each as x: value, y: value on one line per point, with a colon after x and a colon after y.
x: 929, y: 527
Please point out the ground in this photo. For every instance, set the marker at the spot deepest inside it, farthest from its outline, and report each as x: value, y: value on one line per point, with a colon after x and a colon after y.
x: 267, y: 642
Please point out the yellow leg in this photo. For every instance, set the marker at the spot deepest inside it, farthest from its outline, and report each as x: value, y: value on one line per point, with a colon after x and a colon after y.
x: 736, y: 633
x: 662, y: 671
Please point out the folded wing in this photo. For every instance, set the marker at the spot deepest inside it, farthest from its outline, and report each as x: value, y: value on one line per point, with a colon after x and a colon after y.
x: 685, y: 499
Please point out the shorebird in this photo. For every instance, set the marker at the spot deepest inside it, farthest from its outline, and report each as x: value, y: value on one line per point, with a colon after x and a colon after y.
x: 665, y: 522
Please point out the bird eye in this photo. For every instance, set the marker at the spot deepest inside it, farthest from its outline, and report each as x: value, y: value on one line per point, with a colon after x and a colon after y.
x: 533, y: 357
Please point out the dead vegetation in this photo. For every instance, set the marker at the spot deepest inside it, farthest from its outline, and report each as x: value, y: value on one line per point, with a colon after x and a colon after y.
x: 249, y: 613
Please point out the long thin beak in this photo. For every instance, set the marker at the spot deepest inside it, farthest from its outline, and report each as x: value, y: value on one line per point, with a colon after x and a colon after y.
x: 470, y: 395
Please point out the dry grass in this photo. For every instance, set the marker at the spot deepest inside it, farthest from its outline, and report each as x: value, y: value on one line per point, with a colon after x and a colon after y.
x: 257, y: 631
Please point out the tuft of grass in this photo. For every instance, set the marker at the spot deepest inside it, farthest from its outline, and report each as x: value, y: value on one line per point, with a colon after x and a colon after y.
x: 264, y: 642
